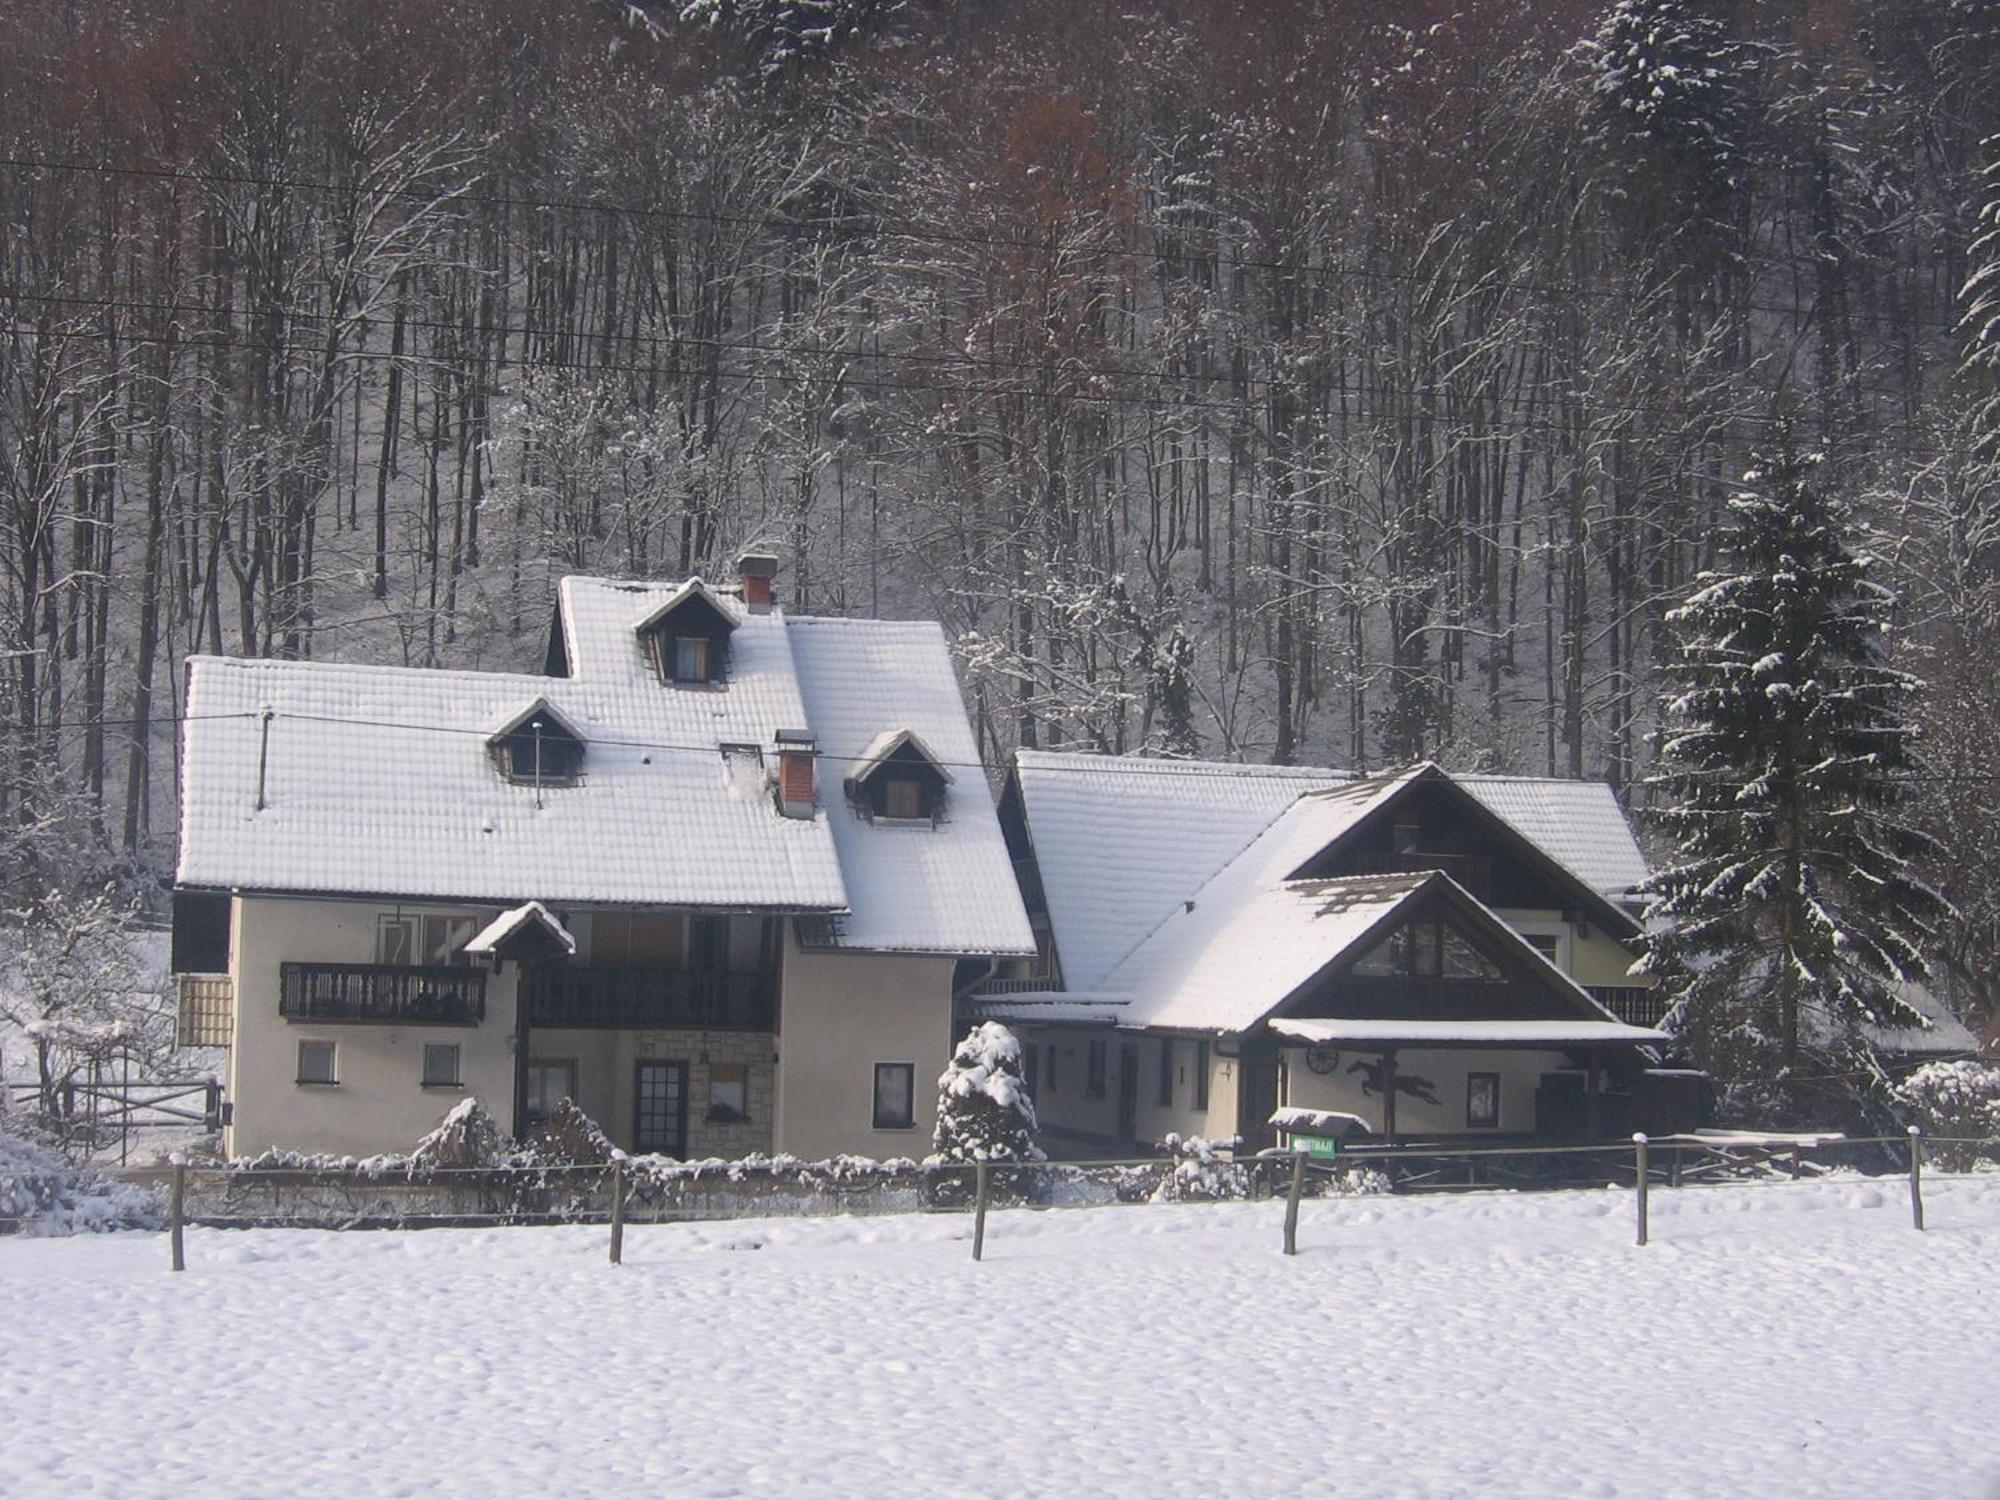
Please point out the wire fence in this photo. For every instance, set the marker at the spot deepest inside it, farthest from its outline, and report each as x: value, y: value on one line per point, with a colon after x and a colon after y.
x: 629, y: 1191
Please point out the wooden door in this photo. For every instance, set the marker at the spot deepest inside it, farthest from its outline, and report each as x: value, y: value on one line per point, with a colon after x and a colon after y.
x: 1128, y: 1090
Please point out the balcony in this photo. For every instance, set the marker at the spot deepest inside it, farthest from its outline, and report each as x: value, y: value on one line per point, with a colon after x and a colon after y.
x: 206, y: 1010
x: 382, y: 994
x: 1634, y: 1004
x: 652, y: 998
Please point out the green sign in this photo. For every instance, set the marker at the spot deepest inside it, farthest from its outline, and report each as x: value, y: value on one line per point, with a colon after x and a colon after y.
x: 1316, y: 1145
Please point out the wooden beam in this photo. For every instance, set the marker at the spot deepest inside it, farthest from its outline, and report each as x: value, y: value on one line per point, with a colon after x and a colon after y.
x: 1389, y: 1096
x: 1591, y: 1069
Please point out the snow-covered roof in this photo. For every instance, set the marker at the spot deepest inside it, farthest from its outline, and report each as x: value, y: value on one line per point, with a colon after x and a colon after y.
x: 516, y: 919
x: 1121, y: 841
x: 947, y: 888
x: 378, y: 780
x: 1946, y: 1036
x: 1467, y: 1033
x: 1048, y: 1008
x: 694, y: 588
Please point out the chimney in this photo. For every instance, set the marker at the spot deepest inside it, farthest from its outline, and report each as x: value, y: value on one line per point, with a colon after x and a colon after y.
x: 797, y: 750
x: 757, y: 569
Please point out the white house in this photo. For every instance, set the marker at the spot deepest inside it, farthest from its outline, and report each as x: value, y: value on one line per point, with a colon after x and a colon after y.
x: 711, y: 875
x: 1443, y: 956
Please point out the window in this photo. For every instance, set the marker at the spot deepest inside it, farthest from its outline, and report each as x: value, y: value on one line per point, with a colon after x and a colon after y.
x: 1166, y: 1072
x: 1093, y: 1079
x: 1201, y: 1075
x: 728, y: 1094
x: 316, y: 1063
x: 1428, y: 948
x: 895, y: 1096
x: 432, y: 940
x: 690, y: 662
x: 1407, y: 838
x: 1482, y: 1100
x: 1547, y: 944
x: 903, y: 797
x: 1031, y: 1068
x: 549, y: 1083
x: 441, y: 1065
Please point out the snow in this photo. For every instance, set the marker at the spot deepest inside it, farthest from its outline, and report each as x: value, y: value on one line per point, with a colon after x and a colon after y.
x: 1335, y: 1122
x: 511, y: 921
x: 378, y: 778
x: 920, y: 888
x: 1508, y: 1344
x: 1120, y: 842
x: 1470, y: 1033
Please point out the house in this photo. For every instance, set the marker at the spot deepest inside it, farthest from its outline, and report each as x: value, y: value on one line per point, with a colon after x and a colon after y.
x: 1443, y: 956
x: 711, y: 874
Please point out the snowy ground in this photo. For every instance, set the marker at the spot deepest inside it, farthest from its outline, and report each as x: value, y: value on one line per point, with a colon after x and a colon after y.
x: 1776, y: 1340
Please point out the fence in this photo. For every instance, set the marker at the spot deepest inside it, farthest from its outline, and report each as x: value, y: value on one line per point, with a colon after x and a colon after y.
x: 393, y: 1193
x: 102, y: 1109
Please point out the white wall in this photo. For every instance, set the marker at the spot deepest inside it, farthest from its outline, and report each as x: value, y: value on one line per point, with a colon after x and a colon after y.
x: 840, y: 1014
x: 380, y: 1103
x: 1069, y: 1107
x: 1520, y: 1073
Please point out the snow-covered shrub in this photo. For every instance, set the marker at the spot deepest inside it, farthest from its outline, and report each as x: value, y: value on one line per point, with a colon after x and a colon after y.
x: 570, y: 1138
x: 43, y: 1193
x: 1201, y: 1174
x: 1955, y: 1099
x: 984, y: 1112
x: 469, y: 1136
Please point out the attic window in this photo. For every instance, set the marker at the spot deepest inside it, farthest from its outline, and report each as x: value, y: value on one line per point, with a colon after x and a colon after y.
x: 687, y: 638
x: 897, y: 780
x: 538, y: 749
x: 1428, y: 947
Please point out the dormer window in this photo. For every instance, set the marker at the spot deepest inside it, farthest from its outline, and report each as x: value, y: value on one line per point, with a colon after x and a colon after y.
x: 687, y: 638
x: 537, y: 747
x: 897, y: 780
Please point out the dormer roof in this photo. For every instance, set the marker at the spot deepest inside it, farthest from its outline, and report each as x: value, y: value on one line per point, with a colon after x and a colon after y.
x: 539, y: 708
x: 694, y: 594
x: 884, y: 747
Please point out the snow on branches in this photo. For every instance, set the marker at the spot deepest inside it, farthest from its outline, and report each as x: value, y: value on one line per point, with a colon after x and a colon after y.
x: 984, y: 1111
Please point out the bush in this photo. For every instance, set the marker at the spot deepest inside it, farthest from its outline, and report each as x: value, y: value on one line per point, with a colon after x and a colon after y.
x: 984, y: 1112
x: 467, y: 1137
x: 1955, y: 1099
x: 42, y: 1193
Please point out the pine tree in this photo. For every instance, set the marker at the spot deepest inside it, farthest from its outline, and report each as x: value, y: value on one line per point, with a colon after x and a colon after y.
x: 984, y: 1112
x: 1792, y: 910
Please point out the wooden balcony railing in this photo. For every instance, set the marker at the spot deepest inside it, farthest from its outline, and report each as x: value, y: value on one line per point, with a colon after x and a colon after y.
x: 725, y: 1001
x: 382, y: 994
x: 1634, y: 1004
x: 206, y: 1012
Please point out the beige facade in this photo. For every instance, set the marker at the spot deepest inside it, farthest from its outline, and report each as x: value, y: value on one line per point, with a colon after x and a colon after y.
x: 808, y: 1089
x: 842, y: 1013
x: 1447, y: 1072
x: 379, y: 1102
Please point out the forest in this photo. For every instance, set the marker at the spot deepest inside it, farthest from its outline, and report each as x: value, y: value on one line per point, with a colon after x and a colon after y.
x: 1338, y: 382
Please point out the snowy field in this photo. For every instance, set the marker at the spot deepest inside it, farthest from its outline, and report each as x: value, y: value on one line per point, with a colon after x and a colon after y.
x: 1776, y: 1340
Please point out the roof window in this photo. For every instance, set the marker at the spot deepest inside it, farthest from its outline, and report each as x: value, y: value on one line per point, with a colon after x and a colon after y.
x: 687, y: 638
x: 898, y: 780
x: 537, y: 747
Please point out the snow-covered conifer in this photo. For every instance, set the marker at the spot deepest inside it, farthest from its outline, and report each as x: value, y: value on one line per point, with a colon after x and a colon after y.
x: 1790, y: 911
x: 984, y: 1112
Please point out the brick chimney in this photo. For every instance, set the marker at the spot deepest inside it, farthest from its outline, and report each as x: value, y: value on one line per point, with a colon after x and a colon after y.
x: 797, y: 752
x: 757, y: 569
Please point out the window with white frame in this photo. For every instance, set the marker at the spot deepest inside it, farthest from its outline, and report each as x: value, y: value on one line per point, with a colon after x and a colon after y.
x: 728, y: 1094
x: 317, y: 1063
x: 422, y: 939
x: 1482, y: 1101
x: 441, y: 1065
x: 549, y: 1083
x: 895, y: 1096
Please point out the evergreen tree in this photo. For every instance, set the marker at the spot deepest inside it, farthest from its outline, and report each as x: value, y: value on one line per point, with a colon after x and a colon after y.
x: 984, y: 1112
x: 1791, y: 911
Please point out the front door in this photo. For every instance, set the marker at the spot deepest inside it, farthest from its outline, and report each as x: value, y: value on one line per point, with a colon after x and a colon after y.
x: 1128, y: 1090
x: 659, y: 1107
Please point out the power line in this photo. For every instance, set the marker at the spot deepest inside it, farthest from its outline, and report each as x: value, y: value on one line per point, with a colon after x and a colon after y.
x: 888, y: 229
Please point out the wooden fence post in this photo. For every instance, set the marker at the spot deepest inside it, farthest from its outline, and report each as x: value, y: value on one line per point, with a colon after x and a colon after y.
x: 1297, y: 1192
x: 1917, y: 1177
x: 177, y: 1213
x: 1642, y: 1179
x: 979, y: 1180
x: 618, y: 1210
